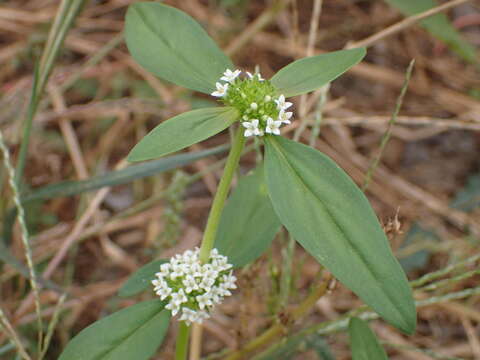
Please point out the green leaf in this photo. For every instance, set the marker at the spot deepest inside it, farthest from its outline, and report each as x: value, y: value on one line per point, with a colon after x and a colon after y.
x: 132, y: 333
x: 133, y: 172
x: 248, y: 223
x: 363, y: 342
x: 181, y: 131
x: 330, y: 217
x: 311, y: 73
x: 439, y: 26
x: 170, y: 44
x: 141, y: 279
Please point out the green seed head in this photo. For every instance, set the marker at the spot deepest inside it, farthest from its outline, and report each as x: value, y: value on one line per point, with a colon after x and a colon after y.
x: 262, y: 110
x: 253, y: 99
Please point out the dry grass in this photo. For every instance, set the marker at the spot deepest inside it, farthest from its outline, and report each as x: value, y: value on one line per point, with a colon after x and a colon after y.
x: 99, y: 102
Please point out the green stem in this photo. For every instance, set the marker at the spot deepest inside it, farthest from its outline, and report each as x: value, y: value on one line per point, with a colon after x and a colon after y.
x: 221, y: 195
x: 181, y: 349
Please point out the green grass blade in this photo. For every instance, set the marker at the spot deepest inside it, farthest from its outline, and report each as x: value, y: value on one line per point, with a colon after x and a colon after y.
x: 133, y: 172
x: 68, y: 11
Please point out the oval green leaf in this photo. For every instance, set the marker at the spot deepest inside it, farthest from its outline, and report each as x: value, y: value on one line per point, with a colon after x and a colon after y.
x: 330, y: 217
x: 132, y: 333
x: 141, y: 279
x: 363, y: 342
x: 311, y: 73
x: 181, y: 131
x: 170, y: 44
x: 248, y: 223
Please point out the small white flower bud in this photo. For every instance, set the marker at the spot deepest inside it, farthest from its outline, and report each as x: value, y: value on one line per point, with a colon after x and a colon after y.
x: 254, y: 106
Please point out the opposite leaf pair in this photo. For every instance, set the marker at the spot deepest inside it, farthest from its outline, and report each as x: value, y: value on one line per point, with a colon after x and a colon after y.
x: 173, y: 46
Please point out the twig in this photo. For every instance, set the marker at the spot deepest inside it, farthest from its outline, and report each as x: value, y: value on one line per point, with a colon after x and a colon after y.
x: 386, y: 135
x: 374, y: 121
x: 312, y: 37
x: 404, y: 24
x: 69, y: 135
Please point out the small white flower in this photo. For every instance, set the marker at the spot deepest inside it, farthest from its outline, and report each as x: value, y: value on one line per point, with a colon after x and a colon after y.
x: 230, y: 75
x: 192, y: 316
x: 282, y: 104
x: 284, y: 117
x: 254, y: 106
x: 207, y: 283
x: 190, y: 284
x: 216, y: 294
x: 164, y: 292
x: 251, y: 76
x: 177, y: 270
x: 194, y: 270
x: 188, y: 315
x: 204, y: 300
x: 221, y: 90
x: 178, y: 298
x: 252, y: 128
x: 229, y: 281
x: 273, y: 127
x: 221, y: 264
x: 164, y: 270
x: 173, y: 307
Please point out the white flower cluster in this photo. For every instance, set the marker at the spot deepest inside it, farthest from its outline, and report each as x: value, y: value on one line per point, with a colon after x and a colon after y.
x: 260, y: 116
x: 193, y: 288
